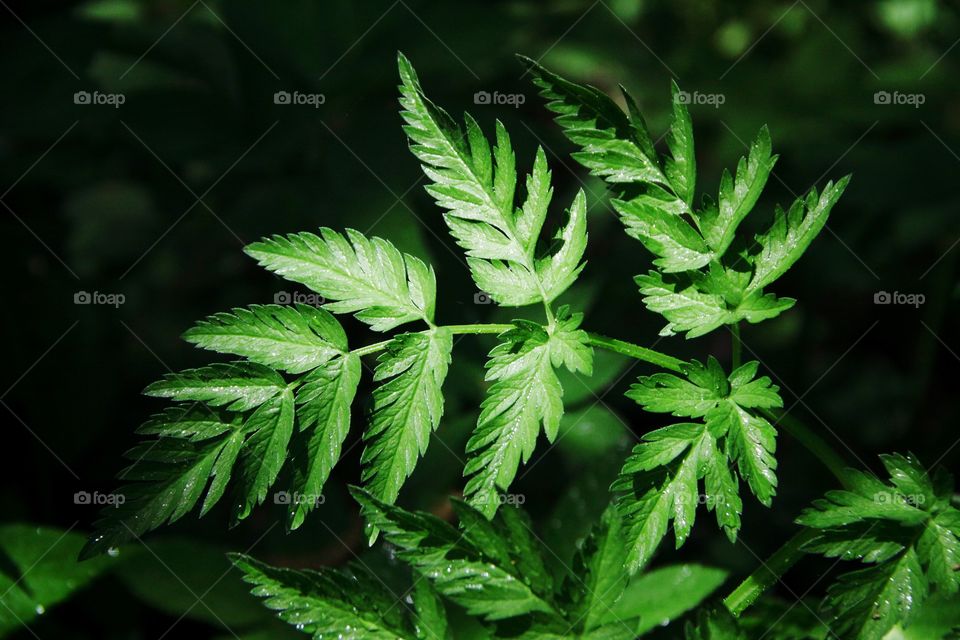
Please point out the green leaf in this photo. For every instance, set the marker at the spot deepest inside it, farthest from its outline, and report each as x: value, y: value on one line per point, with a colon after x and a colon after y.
x: 525, y: 394
x: 751, y: 441
x: 792, y: 232
x: 238, y: 386
x: 407, y: 407
x: 715, y: 624
x: 293, y: 339
x: 195, y: 422
x: 654, y: 198
x: 939, y: 547
x: 907, y: 530
x: 430, y: 617
x: 368, y: 277
x: 476, y: 185
x: 598, y: 577
x: 721, y: 492
x: 560, y: 269
x: 165, y: 481
x: 681, y: 166
x: 867, y: 603
x: 614, y: 146
x: 664, y: 594
x: 40, y: 570
x: 486, y: 581
x: 526, y: 549
x: 751, y: 392
x: 328, y: 602
x: 738, y: 195
x: 323, y: 407
x: 685, y: 308
x: 664, y: 233
x: 938, y: 619
x: 264, y: 452
x: 168, y: 476
x: 658, y: 483
x: 570, y: 345
x: 705, y: 387
x: 690, y: 303
x: 726, y: 404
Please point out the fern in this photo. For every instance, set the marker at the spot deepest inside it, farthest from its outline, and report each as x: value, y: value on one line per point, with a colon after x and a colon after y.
x: 525, y: 394
x: 359, y: 275
x: 660, y: 481
x: 323, y: 406
x: 495, y: 570
x: 321, y: 603
x: 906, y: 531
x: 281, y: 413
x: 406, y: 408
x: 477, y: 188
x: 289, y: 399
x: 704, y: 278
x: 290, y: 396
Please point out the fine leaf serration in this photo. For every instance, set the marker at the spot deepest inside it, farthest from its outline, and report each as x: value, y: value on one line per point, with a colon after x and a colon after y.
x: 706, y: 276
x: 525, y: 395
x: 907, y: 533
x: 660, y: 480
x: 282, y: 413
x: 476, y: 185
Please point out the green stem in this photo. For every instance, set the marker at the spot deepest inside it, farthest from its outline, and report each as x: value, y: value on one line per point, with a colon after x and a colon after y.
x: 595, y: 339
x: 454, y: 328
x: 737, y: 345
x: 803, y: 434
x: 790, y: 553
x: 478, y: 328
x: 814, y: 443
x: 636, y: 351
x: 371, y: 348
x: 768, y: 573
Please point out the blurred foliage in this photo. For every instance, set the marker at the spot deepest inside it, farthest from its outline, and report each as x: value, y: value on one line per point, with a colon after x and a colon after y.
x: 153, y: 199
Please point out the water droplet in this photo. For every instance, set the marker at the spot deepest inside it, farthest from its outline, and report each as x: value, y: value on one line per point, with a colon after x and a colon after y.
x: 40, y: 609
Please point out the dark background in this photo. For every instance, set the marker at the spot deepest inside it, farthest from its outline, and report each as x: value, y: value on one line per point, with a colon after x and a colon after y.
x: 154, y: 200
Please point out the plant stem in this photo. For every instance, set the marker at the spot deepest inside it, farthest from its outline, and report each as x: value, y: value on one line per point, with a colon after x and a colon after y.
x: 478, y: 328
x: 371, y: 348
x: 814, y: 443
x: 788, y: 555
x: 454, y: 328
x: 804, y: 435
x: 737, y: 345
x: 768, y: 573
x: 636, y: 351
